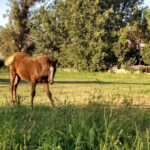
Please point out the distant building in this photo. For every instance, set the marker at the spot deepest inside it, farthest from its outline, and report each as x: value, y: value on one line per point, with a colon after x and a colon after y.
x: 1, y: 27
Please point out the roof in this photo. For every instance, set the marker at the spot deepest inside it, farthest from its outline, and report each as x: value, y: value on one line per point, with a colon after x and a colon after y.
x: 1, y: 27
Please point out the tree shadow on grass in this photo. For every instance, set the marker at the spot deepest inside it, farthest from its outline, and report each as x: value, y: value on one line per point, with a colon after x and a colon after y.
x: 98, y: 82
x: 6, y: 81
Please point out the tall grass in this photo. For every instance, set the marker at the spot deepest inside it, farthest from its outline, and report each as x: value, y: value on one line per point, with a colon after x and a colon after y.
x: 95, y: 111
x: 98, y: 125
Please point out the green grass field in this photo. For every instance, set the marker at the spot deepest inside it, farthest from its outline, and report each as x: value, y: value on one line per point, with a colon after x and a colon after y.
x: 93, y: 111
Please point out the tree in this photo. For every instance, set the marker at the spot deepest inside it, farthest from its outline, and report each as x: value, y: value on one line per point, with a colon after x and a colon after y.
x: 83, y: 34
x: 17, y: 29
x: 7, y: 41
x: 45, y: 31
x: 145, y: 52
x: 73, y: 30
x: 147, y: 16
x: 125, y: 48
x: 130, y: 39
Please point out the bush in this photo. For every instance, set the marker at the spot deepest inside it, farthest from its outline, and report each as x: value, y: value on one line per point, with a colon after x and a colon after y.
x: 145, y: 53
x: 1, y: 63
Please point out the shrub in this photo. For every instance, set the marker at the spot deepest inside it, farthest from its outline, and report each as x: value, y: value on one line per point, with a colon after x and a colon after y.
x: 1, y: 63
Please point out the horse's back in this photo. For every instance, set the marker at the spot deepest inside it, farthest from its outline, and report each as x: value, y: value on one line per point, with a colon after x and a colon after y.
x: 20, y: 56
x: 22, y: 61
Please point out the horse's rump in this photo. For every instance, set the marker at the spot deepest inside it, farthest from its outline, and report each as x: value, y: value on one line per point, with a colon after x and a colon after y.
x: 9, y: 60
x: 15, y: 56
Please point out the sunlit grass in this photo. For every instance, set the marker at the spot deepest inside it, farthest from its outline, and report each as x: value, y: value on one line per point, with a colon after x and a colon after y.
x: 78, y: 86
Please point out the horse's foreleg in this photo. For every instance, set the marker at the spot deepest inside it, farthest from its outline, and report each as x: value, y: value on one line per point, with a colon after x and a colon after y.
x: 16, y: 81
x: 33, y: 93
x: 11, y: 86
x: 49, y: 94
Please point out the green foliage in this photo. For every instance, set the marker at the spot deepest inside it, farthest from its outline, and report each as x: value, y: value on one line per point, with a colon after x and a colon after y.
x: 145, y: 53
x: 124, y: 49
x: 77, y: 40
x: 147, y: 15
x: 45, y: 32
x: 130, y: 38
x: 7, y: 41
x: 82, y: 34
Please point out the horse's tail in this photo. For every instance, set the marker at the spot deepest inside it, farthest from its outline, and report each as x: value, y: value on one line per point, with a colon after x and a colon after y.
x: 9, y: 60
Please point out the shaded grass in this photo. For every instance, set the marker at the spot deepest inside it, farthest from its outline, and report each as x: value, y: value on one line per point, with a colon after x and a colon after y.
x: 93, y: 78
x: 69, y: 127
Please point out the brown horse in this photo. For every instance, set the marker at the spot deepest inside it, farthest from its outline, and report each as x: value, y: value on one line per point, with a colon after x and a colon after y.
x: 34, y: 70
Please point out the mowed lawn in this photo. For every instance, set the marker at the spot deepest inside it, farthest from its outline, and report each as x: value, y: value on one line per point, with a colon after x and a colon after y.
x: 79, y: 88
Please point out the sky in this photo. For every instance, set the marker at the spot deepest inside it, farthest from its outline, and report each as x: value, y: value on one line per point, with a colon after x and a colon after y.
x: 4, y: 8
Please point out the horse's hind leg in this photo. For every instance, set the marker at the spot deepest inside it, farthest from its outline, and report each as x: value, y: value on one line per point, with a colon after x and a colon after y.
x: 11, y: 85
x: 49, y: 94
x: 15, y: 85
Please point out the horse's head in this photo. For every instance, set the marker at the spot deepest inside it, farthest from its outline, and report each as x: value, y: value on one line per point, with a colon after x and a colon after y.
x: 52, y: 71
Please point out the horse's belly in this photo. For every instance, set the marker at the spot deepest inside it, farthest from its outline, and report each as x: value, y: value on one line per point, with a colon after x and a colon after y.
x: 42, y: 80
x: 25, y: 79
